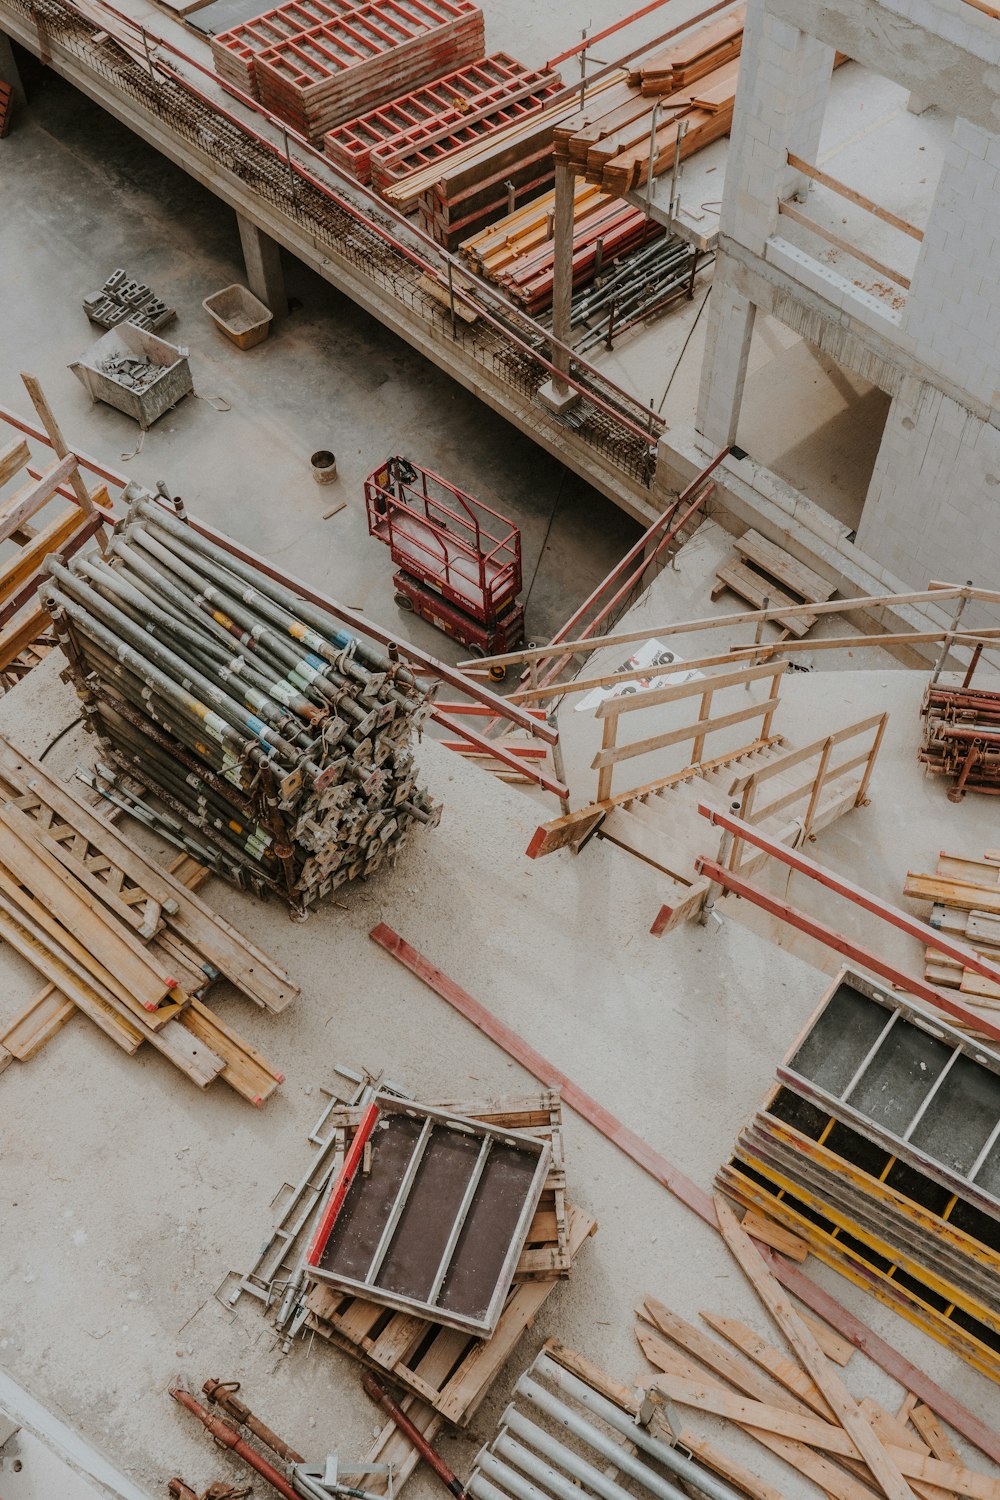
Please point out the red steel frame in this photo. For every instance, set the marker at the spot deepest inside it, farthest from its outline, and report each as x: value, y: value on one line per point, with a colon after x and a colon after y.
x: 341, y: 1184
x: 690, y: 1194
x: 402, y: 511
x: 841, y: 886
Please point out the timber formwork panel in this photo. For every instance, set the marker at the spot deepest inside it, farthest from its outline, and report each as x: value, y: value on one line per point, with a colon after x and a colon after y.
x: 881, y: 1147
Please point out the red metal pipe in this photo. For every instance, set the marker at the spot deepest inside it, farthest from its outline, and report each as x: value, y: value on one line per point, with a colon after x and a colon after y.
x: 599, y: 36
x: 814, y: 928
x: 382, y: 1398
x: 549, y: 783
x: 345, y: 1177
x: 224, y: 1434
x: 223, y: 1393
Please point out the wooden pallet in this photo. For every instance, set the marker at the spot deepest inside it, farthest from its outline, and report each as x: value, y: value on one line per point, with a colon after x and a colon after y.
x: 447, y: 1371
x: 766, y: 571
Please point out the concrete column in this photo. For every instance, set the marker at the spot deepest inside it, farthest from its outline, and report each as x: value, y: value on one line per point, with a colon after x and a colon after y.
x: 555, y: 393
x: 916, y: 103
x: 262, y: 257
x: 9, y: 71
x: 723, y: 373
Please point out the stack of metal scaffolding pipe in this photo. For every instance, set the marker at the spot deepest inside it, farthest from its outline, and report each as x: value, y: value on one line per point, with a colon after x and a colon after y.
x: 283, y: 739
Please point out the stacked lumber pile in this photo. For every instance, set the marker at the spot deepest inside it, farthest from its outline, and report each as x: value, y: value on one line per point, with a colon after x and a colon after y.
x: 965, y: 897
x: 962, y: 738
x: 691, y: 91
x: 119, y: 939
x: 879, y: 1147
x: 517, y: 252
x: 468, y: 189
x: 74, y: 514
x: 788, y: 1392
x: 411, y: 132
x: 234, y: 51
x: 339, y: 69
x: 281, y: 741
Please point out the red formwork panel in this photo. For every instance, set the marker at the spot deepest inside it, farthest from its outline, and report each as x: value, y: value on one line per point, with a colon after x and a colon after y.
x: 337, y: 71
x: 428, y: 143
x: 233, y: 51
x: 455, y: 95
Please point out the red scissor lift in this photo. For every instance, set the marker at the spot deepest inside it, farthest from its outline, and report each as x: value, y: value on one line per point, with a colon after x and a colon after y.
x: 459, y: 562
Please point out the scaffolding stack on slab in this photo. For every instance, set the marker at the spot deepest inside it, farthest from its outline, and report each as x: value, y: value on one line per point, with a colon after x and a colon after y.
x: 419, y: 128
x: 337, y: 70
x: 962, y: 737
x: 281, y: 741
x: 880, y: 1147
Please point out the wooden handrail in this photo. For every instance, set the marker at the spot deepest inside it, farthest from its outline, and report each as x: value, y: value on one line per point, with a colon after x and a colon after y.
x: 844, y: 245
x: 854, y: 196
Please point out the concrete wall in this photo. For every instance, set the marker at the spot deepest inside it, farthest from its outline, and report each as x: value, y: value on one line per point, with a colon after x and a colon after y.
x: 932, y: 504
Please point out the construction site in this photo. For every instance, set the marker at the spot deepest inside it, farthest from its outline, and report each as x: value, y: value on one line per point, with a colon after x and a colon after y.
x: 417, y: 1070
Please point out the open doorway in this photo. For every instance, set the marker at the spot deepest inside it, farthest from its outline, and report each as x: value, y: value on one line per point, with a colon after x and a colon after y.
x: 810, y: 420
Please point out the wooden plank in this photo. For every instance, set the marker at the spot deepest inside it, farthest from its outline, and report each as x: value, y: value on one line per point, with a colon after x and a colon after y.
x: 853, y: 196
x: 841, y: 244
x: 71, y: 978
x: 612, y: 707
x: 888, y: 1430
x: 933, y: 1434
x: 246, y: 966
x: 823, y: 1471
x: 113, y: 947
x: 44, y: 1015
x: 84, y: 499
x: 769, y: 1233
x: 963, y: 894
x: 884, y: 1468
x: 720, y: 1463
x: 833, y: 1346
x: 245, y: 1069
x: 598, y: 1380
x: 782, y: 1369
x: 688, y: 1192
x: 23, y: 504
x: 18, y: 636
x: 742, y: 580
x: 708, y: 1396
x: 18, y: 569
x: 13, y: 458
x: 787, y: 569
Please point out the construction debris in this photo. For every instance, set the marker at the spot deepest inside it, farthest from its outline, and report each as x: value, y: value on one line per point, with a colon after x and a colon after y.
x: 768, y: 577
x: 962, y: 736
x: 117, y: 937
x: 282, y: 739
x: 568, y: 1418
x: 796, y: 1406
x: 136, y: 372
x: 880, y: 1148
x: 122, y: 300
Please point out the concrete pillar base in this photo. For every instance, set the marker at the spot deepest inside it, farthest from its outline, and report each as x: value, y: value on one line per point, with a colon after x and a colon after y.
x: 9, y: 71
x: 262, y: 257
x: 559, y: 399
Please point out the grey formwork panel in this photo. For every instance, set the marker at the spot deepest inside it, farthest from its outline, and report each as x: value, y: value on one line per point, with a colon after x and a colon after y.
x: 907, y: 1081
x: 433, y: 1218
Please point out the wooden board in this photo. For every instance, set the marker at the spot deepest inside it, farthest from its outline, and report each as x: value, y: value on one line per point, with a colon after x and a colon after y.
x: 742, y: 580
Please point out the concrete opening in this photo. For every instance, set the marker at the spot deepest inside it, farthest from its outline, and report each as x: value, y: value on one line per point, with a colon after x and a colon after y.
x: 810, y: 420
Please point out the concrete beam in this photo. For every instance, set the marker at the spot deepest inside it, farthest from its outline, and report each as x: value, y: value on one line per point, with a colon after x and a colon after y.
x: 9, y: 71
x: 262, y: 258
x: 941, y: 49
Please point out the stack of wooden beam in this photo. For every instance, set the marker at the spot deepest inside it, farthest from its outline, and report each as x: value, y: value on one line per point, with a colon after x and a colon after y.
x: 120, y: 939
x: 880, y: 1148
x: 517, y: 252
x: 689, y: 90
x: 339, y: 69
x: 416, y: 129
x: 965, y: 897
x: 962, y: 737
x: 234, y: 51
x: 789, y: 1392
x: 281, y: 741
x: 467, y: 189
